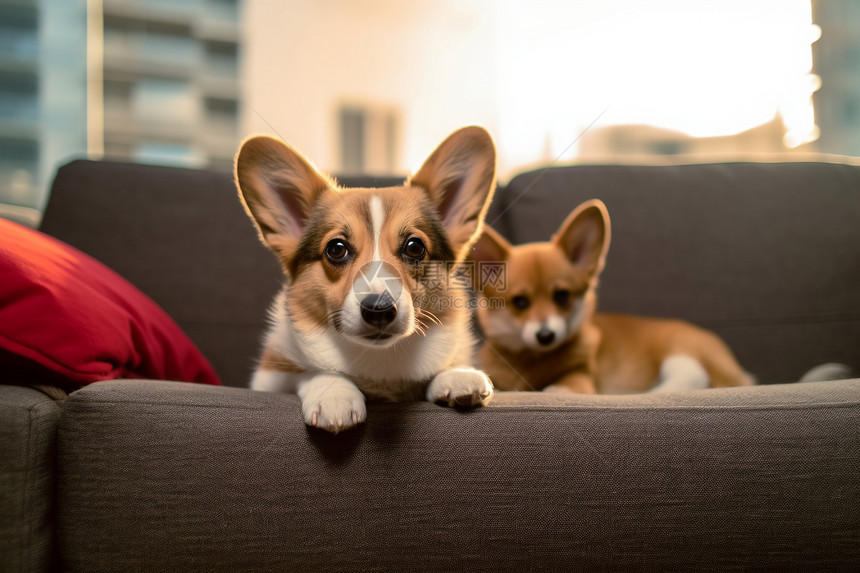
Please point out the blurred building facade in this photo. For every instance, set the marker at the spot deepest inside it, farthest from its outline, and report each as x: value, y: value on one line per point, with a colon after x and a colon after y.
x: 373, y: 86
x: 645, y: 142
x: 42, y: 93
x: 139, y: 80
x: 836, y: 57
x: 171, y: 81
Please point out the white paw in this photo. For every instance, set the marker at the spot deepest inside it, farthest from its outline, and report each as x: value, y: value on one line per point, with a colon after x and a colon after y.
x: 332, y: 403
x: 460, y: 387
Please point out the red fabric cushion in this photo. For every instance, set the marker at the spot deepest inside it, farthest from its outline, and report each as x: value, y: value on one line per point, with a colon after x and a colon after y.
x: 63, y: 312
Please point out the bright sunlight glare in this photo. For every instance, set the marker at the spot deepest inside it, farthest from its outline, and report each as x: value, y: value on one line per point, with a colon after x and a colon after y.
x: 705, y: 68
x: 536, y: 73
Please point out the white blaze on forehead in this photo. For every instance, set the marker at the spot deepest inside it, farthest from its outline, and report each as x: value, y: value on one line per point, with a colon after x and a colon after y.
x: 378, y: 277
x: 377, y: 220
x: 375, y: 276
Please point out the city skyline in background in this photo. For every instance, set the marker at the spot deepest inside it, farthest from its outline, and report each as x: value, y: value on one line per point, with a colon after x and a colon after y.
x: 153, y: 81
x: 369, y: 86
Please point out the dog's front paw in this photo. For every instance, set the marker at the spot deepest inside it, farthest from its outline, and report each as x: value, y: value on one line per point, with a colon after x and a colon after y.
x: 332, y: 403
x: 460, y: 387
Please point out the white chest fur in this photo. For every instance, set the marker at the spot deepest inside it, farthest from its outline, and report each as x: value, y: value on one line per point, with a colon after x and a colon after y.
x: 389, y: 372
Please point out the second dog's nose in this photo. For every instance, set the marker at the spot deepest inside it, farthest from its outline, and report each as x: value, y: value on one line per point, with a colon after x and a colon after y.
x: 545, y: 336
x: 378, y: 310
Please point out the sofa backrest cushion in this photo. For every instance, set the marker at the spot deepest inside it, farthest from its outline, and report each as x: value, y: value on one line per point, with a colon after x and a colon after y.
x: 766, y: 254
x: 182, y: 237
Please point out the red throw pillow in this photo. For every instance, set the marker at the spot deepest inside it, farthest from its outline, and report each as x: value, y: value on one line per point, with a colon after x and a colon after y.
x: 63, y: 312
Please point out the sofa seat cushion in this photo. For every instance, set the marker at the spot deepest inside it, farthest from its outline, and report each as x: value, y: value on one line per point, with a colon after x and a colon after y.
x: 157, y: 476
x: 65, y: 316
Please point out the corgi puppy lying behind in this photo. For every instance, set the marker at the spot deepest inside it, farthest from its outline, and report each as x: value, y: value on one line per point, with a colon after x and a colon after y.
x: 547, y: 335
x: 364, y: 312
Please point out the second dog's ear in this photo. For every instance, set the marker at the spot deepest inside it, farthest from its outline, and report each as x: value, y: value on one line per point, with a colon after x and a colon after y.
x: 584, y: 236
x: 490, y: 247
x: 278, y: 187
x: 459, y: 177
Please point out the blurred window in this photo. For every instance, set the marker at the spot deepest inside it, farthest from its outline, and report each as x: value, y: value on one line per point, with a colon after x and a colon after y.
x: 368, y: 139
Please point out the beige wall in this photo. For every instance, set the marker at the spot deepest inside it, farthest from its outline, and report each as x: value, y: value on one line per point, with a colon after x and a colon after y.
x: 306, y: 57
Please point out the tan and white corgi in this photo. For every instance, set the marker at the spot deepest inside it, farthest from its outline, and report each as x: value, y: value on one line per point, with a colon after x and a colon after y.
x: 363, y: 312
x: 547, y: 335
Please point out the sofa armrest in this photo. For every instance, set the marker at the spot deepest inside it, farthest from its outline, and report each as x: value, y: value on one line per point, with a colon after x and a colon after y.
x: 160, y: 476
x: 28, y: 431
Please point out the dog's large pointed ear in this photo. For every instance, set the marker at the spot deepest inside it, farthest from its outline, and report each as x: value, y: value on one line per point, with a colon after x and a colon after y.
x: 584, y: 236
x: 460, y: 178
x: 490, y: 247
x: 278, y: 187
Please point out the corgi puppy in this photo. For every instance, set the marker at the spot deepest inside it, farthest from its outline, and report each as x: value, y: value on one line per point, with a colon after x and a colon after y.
x: 371, y: 307
x: 547, y: 336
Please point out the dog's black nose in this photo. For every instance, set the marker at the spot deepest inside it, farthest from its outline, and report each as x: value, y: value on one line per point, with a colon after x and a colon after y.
x: 545, y: 336
x: 378, y: 310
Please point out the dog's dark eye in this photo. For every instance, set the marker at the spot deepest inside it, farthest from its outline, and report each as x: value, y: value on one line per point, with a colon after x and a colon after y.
x: 337, y: 251
x: 414, y: 249
x: 561, y: 297
x: 520, y: 301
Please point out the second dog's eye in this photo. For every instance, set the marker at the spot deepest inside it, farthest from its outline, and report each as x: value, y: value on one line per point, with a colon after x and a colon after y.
x: 337, y: 251
x: 520, y: 301
x: 561, y: 297
x: 414, y: 249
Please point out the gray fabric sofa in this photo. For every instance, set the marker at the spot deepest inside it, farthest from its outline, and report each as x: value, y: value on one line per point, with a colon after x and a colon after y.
x: 162, y: 476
